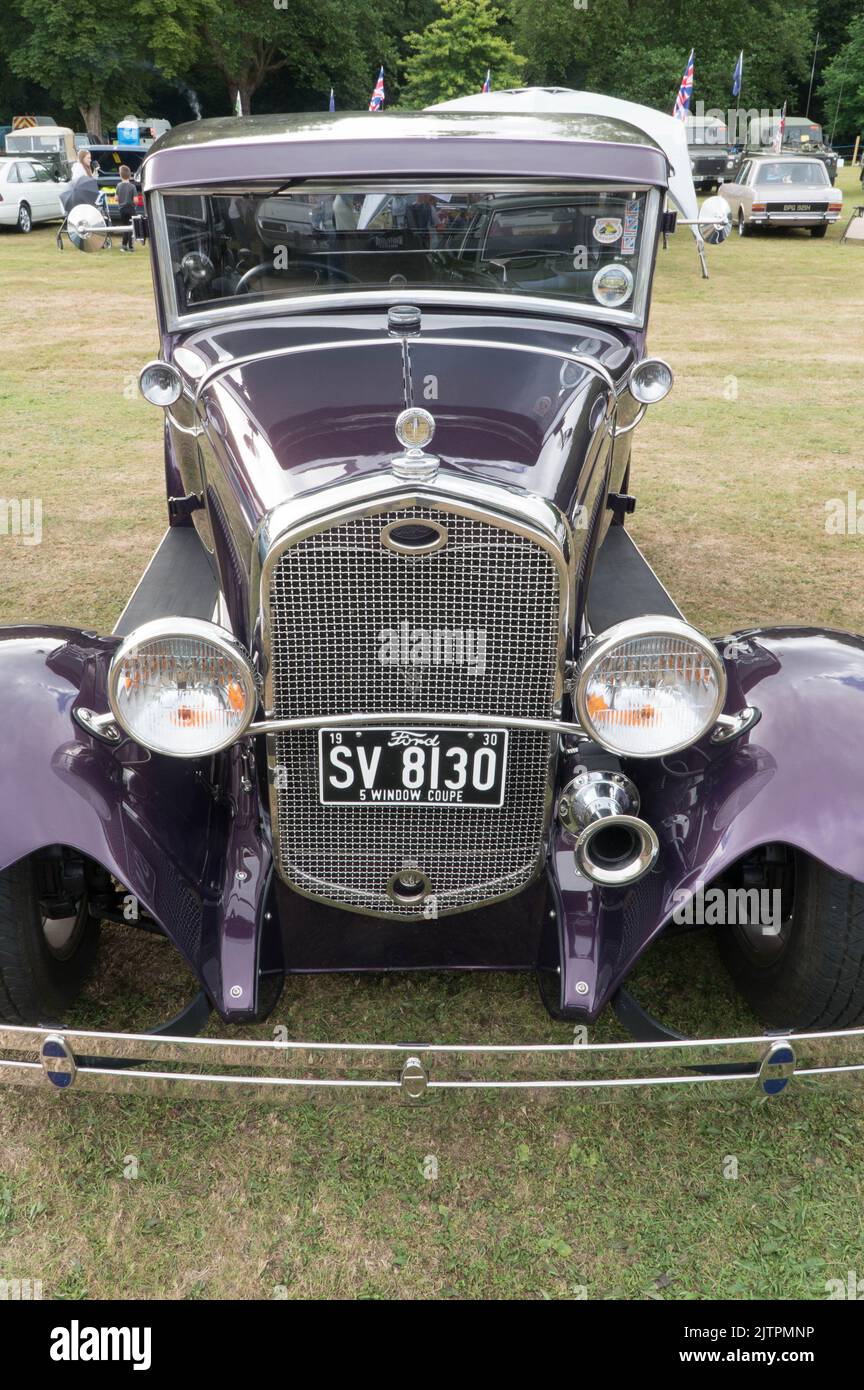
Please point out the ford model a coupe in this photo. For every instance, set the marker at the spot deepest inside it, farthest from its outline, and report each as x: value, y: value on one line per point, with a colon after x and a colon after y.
x: 397, y: 691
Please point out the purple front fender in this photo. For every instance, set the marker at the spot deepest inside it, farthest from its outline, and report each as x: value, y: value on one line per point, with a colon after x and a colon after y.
x: 796, y: 778
x: 194, y: 859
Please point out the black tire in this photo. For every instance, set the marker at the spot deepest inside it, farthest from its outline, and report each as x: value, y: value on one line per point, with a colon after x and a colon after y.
x: 25, y: 219
x: 744, y: 228
x: 812, y: 974
x: 819, y: 231
x: 39, y: 983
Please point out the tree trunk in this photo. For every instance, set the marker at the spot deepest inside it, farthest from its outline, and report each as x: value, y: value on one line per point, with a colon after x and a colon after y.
x: 92, y: 113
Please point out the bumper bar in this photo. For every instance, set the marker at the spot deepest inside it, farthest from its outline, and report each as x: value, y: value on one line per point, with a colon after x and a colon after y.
x: 207, y: 1068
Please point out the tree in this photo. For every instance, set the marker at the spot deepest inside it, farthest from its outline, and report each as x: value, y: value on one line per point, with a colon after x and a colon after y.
x: 87, y: 57
x: 451, y: 56
x: 842, y: 89
x: 637, y: 49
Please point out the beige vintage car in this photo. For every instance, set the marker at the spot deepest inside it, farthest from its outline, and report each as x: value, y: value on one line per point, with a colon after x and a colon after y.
x: 782, y: 191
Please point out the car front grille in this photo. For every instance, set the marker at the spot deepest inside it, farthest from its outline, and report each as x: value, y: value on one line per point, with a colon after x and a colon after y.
x: 332, y: 594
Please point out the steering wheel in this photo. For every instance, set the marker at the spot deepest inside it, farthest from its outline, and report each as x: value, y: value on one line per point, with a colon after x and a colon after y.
x: 258, y: 271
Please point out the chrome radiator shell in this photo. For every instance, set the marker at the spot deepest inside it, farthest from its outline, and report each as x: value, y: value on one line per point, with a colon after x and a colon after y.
x: 327, y: 587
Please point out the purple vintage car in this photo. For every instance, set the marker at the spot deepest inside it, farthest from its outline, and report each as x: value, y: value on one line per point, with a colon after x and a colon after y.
x: 397, y: 691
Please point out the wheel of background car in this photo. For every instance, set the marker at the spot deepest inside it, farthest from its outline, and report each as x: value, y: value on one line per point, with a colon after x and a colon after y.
x: 266, y: 267
x: 43, y: 961
x: 743, y: 227
x: 25, y: 220
x: 819, y: 231
x: 806, y: 971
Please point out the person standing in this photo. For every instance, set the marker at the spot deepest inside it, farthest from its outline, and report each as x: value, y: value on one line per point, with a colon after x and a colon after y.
x: 83, y: 166
x: 126, y: 206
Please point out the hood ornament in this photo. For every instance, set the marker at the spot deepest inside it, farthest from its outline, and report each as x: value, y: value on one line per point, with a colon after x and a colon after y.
x: 415, y: 428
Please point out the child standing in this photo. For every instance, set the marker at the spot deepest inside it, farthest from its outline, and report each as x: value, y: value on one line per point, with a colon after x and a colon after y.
x: 126, y: 205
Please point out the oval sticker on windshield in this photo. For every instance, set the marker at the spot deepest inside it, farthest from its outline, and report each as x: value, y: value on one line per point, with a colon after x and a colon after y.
x: 608, y: 230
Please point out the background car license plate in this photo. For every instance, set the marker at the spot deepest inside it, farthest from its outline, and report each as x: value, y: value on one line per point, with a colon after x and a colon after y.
x: 412, y: 767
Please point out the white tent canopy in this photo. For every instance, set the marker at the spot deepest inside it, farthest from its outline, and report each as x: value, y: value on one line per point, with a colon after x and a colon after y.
x: 663, y: 130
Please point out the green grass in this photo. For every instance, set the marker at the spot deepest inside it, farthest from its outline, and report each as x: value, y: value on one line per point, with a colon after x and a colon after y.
x: 538, y: 1199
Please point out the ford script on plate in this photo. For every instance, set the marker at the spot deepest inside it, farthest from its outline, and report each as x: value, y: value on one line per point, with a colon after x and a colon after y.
x: 421, y: 767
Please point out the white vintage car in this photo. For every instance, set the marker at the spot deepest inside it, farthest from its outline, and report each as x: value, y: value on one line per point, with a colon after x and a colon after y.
x: 28, y: 194
x: 773, y: 191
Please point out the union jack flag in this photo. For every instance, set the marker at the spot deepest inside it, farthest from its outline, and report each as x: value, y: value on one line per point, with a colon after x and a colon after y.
x: 685, y: 91
x: 376, y: 101
x: 777, y: 143
x: 487, y: 85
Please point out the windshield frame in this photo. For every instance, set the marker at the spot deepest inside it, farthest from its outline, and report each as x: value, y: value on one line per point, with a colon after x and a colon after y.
x: 180, y: 320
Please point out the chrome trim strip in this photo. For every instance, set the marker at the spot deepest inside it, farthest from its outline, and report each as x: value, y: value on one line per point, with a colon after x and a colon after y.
x: 360, y: 721
x: 762, y: 1063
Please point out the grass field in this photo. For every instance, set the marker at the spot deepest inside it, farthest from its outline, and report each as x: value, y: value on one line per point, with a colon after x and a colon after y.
x: 545, y: 1199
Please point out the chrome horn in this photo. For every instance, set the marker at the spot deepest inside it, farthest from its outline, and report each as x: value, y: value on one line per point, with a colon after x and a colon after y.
x: 614, y: 846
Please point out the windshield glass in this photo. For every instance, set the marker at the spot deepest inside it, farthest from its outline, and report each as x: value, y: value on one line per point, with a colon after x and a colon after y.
x: 801, y: 171
x: 810, y: 134
x: 32, y: 143
x: 576, y: 244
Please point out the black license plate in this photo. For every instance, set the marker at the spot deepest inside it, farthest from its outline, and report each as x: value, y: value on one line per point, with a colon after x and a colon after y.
x: 797, y: 207
x: 412, y: 767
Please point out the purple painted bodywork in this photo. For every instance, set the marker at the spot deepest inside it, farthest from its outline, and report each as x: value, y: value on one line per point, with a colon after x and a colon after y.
x: 191, y: 840
x: 154, y: 823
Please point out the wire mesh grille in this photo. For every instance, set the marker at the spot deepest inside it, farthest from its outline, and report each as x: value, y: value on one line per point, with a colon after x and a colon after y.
x: 359, y: 628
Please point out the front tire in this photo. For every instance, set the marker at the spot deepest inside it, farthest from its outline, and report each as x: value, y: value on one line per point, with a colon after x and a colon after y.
x: 44, y: 960
x: 810, y: 974
x: 25, y: 219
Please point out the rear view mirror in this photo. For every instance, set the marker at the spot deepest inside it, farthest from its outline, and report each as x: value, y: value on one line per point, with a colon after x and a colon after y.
x: 715, y: 220
x: 87, y: 229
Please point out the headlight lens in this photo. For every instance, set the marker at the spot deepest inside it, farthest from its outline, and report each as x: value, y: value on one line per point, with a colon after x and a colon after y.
x: 184, y: 687
x: 651, y: 380
x: 649, y: 686
x: 160, y: 383
x: 613, y: 284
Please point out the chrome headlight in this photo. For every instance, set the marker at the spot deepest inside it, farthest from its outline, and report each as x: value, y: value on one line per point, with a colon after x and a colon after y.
x: 160, y: 383
x: 649, y: 686
x: 651, y: 380
x: 183, y: 687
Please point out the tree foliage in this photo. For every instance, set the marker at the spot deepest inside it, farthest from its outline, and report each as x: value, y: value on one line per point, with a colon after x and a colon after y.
x: 451, y: 56
x: 637, y: 49
x: 87, y: 58
x: 842, y: 88
x: 109, y: 57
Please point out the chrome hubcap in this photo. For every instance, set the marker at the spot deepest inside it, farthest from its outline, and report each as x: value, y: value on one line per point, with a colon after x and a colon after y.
x: 63, y: 934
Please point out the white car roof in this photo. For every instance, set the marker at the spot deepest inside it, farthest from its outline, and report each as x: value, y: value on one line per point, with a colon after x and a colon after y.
x: 663, y: 130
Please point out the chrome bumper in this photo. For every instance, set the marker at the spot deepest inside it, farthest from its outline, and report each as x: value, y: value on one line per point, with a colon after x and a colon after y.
x: 71, y: 1059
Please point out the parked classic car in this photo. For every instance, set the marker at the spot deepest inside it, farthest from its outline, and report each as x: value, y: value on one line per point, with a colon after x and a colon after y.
x: 773, y: 191
x: 398, y: 691
x: 51, y: 145
x: 28, y: 193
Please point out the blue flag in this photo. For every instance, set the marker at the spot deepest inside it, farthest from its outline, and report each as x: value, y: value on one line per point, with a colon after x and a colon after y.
x: 332, y: 106
x: 737, y: 74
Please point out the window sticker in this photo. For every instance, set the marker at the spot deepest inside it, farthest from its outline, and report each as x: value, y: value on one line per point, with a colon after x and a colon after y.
x: 608, y: 230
